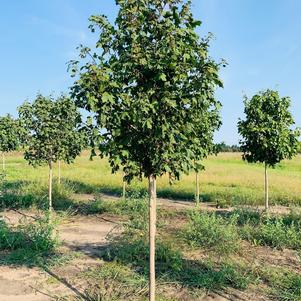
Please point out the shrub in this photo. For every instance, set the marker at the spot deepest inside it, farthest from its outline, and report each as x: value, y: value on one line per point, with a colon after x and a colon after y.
x: 212, y: 231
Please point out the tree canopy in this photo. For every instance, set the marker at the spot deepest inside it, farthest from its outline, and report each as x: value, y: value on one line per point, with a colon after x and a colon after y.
x: 9, y: 134
x: 267, y: 134
x: 51, y: 130
x: 150, y: 83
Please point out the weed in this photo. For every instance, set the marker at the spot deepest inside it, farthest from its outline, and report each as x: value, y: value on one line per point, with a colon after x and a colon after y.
x: 212, y: 231
x: 285, y: 285
x: 278, y: 232
x: 29, y: 242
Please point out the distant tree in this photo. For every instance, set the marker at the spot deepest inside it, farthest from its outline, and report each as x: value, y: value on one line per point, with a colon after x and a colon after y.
x: 206, y: 123
x: 51, y: 132
x: 150, y: 84
x: 9, y: 136
x: 222, y: 147
x: 267, y: 136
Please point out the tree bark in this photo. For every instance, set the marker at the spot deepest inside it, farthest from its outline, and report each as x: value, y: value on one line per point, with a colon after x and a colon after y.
x: 50, y: 186
x: 59, y: 172
x: 3, y: 161
x: 266, y: 187
x: 152, y: 189
x: 123, y: 187
x: 197, y: 189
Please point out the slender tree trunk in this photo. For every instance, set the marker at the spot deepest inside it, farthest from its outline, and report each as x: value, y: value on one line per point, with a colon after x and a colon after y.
x: 3, y: 162
x: 169, y: 179
x: 152, y: 189
x: 123, y: 187
x: 197, y: 189
x: 266, y: 187
x: 50, y: 186
x: 59, y: 172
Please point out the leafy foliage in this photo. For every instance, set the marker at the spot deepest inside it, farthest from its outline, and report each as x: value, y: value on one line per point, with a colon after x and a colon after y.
x: 150, y: 85
x: 266, y: 131
x: 52, y: 130
x: 9, y: 134
x: 223, y: 147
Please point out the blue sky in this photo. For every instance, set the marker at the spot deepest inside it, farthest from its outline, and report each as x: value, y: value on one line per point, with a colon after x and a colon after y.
x: 261, y: 41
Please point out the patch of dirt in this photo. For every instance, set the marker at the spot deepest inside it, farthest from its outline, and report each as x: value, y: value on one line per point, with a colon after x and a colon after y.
x: 261, y: 255
x: 86, y: 235
x: 84, y: 197
x: 20, y: 283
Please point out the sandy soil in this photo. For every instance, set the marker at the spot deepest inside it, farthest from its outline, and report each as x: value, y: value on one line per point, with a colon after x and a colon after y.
x: 84, y: 234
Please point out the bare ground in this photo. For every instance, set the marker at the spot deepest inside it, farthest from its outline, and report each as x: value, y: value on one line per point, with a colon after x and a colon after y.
x: 87, y: 235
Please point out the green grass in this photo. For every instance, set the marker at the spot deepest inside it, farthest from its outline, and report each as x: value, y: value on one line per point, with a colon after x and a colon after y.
x: 222, y: 233
x: 131, y: 249
x: 173, y: 267
x: 285, y: 285
x: 277, y: 231
x: 226, y: 180
x: 212, y: 232
x: 29, y: 243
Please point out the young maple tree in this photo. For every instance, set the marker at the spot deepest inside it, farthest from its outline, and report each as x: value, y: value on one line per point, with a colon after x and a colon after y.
x: 51, y: 132
x: 267, y: 134
x: 9, y: 136
x: 150, y: 84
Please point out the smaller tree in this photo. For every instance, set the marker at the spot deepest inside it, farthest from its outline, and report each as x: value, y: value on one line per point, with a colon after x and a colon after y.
x: 267, y: 134
x: 207, y: 123
x: 52, y: 132
x: 9, y: 136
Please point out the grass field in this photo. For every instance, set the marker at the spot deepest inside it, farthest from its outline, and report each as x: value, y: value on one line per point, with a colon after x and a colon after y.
x: 227, y: 179
x: 95, y: 247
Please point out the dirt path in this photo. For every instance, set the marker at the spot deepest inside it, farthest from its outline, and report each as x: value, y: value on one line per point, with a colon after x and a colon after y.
x: 183, y: 204
x: 85, y: 235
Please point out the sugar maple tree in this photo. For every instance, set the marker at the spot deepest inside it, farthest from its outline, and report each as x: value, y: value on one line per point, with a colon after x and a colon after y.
x: 10, y: 131
x: 149, y: 82
x: 51, y: 132
x: 267, y: 134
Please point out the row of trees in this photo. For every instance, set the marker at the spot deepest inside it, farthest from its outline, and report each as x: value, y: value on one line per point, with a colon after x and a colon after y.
x: 149, y: 85
x: 225, y: 148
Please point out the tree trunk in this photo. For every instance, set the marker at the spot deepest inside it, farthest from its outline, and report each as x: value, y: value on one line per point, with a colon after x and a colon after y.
x: 50, y: 186
x: 152, y: 235
x: 123, y: 187
x: 266, y: 187
x: 59, y: 172
x: 3, y: 161
x: 197, y: 189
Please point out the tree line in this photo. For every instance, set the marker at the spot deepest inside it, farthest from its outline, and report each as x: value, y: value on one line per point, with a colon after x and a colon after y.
x: 149, y: 86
